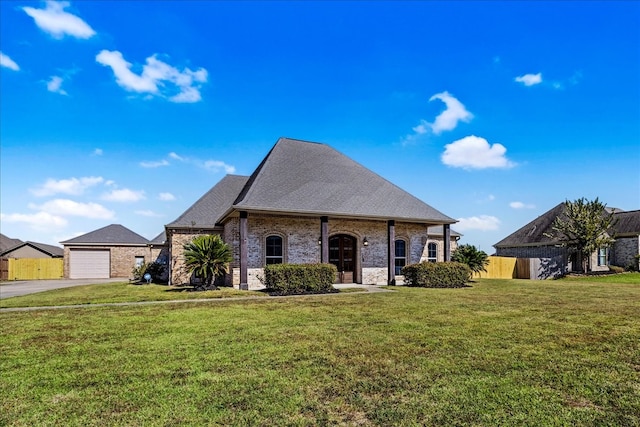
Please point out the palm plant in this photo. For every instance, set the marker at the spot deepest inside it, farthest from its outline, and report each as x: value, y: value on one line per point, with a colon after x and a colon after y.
x: 476, y: 259
x: 207, y: 257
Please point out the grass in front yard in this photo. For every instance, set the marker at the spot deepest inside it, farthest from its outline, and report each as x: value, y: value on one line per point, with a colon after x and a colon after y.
x: 118, y: 292
x: 502, y: 352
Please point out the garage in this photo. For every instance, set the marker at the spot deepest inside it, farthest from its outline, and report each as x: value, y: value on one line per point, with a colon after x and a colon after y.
x: 89, y: 264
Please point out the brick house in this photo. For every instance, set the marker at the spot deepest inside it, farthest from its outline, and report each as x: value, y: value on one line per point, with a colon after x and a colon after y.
x: 109, y: 252
x: 533, y: 241
x: 308, y: 203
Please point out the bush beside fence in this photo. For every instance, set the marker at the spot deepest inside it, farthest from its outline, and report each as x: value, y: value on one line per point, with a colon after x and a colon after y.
x: 436, y: 274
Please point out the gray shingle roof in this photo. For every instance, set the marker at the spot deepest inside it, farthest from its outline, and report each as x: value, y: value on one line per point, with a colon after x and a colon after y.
x: 52, y: 251
x: 436, y: 230
x: 209, y: 209
x: 8, y: 243
x: 307, y: 177
x: 111, y: 234
x: 533, y: 233
x: 160, y: 239
x: 627, y: 223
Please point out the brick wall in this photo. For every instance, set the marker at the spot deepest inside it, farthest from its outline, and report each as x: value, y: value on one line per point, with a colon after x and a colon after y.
x: 300, y: 240
x: 122, y: 258
x: 624, y: 250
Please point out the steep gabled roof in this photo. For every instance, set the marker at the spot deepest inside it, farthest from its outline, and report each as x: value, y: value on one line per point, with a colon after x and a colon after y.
x: 627, y: 223
x: 311, y: 178
x: 111, y: 234
x: 8, y: 243
x: 533, y: 234
x: 208, y: 210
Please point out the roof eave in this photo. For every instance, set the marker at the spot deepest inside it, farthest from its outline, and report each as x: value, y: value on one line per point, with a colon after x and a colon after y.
x: 430, y: 221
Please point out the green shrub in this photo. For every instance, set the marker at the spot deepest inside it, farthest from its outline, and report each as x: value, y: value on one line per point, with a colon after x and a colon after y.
x: 616, y: 269
x: 289, y: 279
x: 436, y: 274
x: 155, y: 269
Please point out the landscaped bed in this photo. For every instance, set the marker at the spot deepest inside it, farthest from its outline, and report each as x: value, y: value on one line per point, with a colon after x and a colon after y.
x: 501, y: 352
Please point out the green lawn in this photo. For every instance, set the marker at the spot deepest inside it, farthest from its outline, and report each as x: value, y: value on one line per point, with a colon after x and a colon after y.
x: 118, y: 292
x: 502, y: 352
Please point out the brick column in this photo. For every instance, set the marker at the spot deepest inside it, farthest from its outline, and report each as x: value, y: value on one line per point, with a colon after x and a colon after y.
x: 324, y: 239
x: 391, y: 233
x: 244, y: 231
x: 446, y: 233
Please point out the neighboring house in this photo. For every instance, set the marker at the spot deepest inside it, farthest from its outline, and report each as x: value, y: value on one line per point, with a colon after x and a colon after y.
x: 8, y: 243
x: 533, y: 241
x: 109, y: 252
x: 32, y: 250
x: 308, y: 203
x: 626, y: 249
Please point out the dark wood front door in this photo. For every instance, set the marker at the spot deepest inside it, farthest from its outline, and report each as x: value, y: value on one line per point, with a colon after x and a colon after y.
x: 342, y: 254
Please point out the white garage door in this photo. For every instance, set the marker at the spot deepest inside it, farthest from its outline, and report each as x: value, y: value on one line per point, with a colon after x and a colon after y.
x: 89, y: 264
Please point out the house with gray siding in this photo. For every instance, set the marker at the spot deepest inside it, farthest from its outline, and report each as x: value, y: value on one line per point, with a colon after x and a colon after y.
x: 308, y: 203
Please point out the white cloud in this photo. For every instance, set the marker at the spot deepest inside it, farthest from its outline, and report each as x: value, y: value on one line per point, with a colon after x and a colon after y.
x: 55, y: 85
x: 155, y: 164
x: 482, y: 222
x: 123, y: 195
x: 148, y: 213
x: 41, y: 221
x: 217, y: 166
x: 529, y: 79
x: 68, y: 207
x: 98, y: 152
x: 166, y: 197
x: 155, y: 74
x: 473, y: 152
x: 520, y: 205
x: 55, y: 21
x: 7, y: 62
x: 72, y: 186
x: 449, y: 118
x: 177, y: 157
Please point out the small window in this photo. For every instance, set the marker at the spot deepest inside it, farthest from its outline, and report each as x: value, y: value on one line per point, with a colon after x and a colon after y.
x: 401, y: 255
x: 602, y: 256
x: 432, y: 252
x: 139, y: 261
x: 274, y: 250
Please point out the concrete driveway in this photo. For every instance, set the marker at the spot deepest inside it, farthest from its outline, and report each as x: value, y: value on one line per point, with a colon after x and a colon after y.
x: 24, y: 287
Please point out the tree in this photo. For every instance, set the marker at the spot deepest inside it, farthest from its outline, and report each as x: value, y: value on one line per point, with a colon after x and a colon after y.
x: 476, y: 259
x: 208, y: 257
x: 583, y: 227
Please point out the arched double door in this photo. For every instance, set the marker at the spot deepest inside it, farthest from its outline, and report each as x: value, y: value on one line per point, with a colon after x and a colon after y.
x: 342, y: 254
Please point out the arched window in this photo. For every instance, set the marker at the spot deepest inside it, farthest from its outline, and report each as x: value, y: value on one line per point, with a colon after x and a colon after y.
x: 274, y: 253
x: 401, y: 255
x: 432, y: 252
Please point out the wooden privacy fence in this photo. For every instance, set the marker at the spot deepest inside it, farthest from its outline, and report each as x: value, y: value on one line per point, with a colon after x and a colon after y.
x: 31, y: 268
x: 499, y: 268
x: 523, y: 268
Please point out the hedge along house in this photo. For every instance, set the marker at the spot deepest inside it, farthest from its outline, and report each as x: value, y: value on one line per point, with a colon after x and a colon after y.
x: 109, y: 252
x: 308, y: 203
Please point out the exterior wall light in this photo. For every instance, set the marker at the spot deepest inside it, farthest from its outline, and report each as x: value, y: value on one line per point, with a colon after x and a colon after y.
x: 320, y: 240
x: 365, y: 242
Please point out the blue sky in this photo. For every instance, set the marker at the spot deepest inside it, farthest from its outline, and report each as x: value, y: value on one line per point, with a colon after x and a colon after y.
x: 491, y: 112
